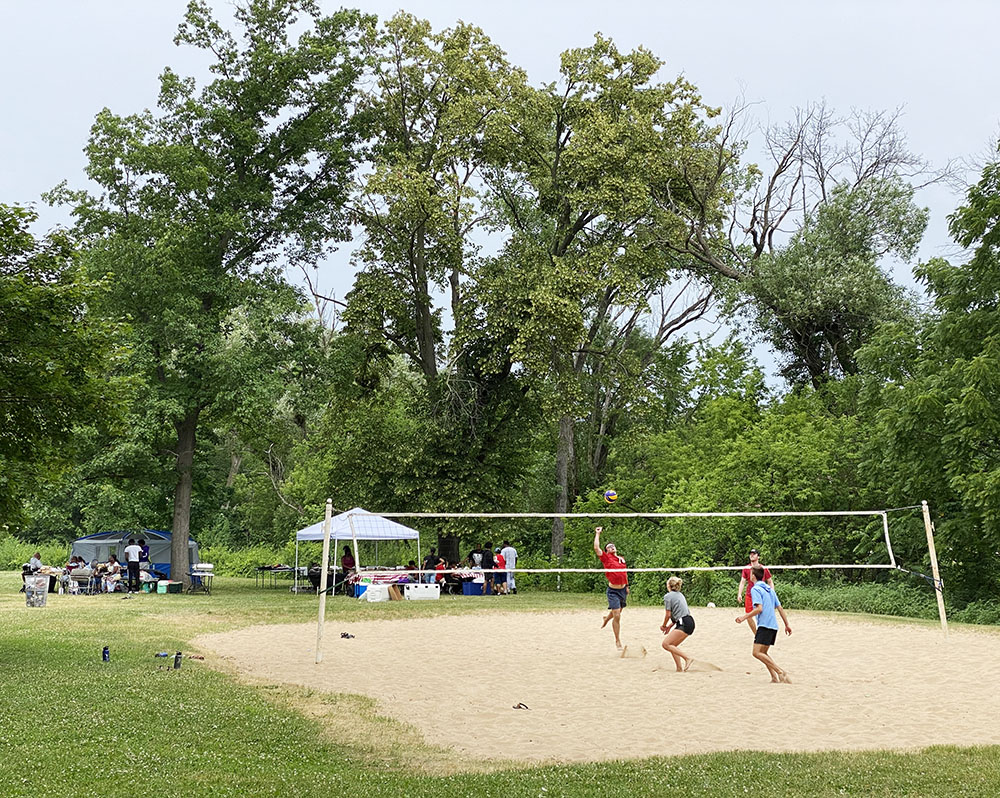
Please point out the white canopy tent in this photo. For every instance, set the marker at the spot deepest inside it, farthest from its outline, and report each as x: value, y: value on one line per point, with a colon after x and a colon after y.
x: 354, y: 525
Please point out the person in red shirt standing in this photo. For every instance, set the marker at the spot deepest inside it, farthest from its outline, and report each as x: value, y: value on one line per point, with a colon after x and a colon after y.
x: 500, y: 577
x: 745, y: 583
x: 614, y: 571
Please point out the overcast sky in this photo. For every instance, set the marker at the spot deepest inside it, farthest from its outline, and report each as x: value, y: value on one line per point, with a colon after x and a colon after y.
x: 64, y: 60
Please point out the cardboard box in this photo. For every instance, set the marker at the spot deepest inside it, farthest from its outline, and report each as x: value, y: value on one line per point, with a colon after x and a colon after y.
x: 394, y: 593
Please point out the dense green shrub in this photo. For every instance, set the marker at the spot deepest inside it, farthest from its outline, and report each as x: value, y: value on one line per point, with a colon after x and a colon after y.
x: 243, y: 562
x: 978, y: 612
x: 908, y: 601
x: 14, y: 553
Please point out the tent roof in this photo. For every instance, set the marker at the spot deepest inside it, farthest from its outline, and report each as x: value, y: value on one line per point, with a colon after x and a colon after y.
x: 118, y: 534
x: 366, y: 527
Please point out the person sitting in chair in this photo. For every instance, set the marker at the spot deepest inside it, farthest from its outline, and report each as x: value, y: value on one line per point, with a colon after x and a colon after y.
x: 111, y: 574
x: 314, y: 573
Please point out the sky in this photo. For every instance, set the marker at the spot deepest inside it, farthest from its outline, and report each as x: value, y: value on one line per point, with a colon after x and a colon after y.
x: 64, y: 60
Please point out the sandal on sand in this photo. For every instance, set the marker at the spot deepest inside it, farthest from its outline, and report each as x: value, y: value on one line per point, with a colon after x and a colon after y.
x: 521, y: 706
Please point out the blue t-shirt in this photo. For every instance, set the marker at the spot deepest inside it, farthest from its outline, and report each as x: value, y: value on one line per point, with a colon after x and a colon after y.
x: 762, y: 593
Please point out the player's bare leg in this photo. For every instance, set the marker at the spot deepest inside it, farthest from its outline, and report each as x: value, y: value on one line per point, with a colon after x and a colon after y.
x: 616, y: 626
x: 670, y: 643
x: 776, y: 673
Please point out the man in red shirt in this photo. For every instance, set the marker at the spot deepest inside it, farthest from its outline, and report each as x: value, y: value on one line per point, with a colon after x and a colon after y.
x: 500, y: 577
x: 614, y: 571
x: 745, y: 583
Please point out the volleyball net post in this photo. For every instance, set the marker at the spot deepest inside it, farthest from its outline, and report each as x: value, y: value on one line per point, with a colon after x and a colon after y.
x: 932, y: 552
x: 323, y: 580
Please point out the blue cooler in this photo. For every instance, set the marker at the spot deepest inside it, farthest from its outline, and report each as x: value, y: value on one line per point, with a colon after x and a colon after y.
x: 472, y: 588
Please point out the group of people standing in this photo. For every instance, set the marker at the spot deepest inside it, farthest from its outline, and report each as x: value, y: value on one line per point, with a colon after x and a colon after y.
x: 111, y: 573
x: 761, y: 604
x: 496, y: 564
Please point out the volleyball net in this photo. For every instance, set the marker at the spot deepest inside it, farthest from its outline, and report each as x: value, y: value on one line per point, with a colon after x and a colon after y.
x: 874, y: 532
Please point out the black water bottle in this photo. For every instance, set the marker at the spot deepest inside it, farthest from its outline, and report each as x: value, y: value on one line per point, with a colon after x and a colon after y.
x: 106, y: 655
x: 177, y: 660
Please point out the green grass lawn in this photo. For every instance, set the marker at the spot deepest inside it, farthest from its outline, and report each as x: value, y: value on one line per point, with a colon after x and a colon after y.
x: 73, y: 725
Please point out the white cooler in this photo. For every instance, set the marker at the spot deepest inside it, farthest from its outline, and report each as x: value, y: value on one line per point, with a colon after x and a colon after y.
x: 376, y: 593
x: 419, y: 592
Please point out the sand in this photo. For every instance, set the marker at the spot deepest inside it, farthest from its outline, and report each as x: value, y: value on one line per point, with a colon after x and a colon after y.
x: 857, y: 684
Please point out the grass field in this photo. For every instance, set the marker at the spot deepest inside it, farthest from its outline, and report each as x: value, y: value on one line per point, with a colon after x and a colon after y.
x: 74, y: 725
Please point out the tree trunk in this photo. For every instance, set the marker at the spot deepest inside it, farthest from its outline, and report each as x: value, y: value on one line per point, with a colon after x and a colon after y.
x: 235, y: 461
x: 564, y: 459
x: 179, y: 561
x: 426, y: 344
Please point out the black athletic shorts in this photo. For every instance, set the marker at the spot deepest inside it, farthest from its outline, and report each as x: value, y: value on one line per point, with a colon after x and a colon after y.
x: 765, y: 637
x: 685, y: 624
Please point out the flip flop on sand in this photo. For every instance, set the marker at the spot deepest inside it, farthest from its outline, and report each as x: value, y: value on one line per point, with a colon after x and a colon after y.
x: 521, y: 705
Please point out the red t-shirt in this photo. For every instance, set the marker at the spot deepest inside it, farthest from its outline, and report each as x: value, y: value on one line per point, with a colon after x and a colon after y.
x: 614, y: 562
x: 439, y: 567
x: 501, y: 563
x: 745, y: 573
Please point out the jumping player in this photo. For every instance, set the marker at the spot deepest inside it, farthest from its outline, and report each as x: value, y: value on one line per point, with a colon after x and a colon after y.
x: 765, y: 602
x: 745, y: 583
x: 614, y: 571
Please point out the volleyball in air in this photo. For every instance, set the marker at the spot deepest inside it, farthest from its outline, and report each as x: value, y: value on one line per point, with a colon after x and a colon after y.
x: 610, y: 496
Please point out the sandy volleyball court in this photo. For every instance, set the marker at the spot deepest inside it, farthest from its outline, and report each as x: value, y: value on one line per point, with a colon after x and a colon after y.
x: 857, y: 684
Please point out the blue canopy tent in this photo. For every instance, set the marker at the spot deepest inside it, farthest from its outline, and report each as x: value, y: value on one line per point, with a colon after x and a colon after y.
x: 99, y: 546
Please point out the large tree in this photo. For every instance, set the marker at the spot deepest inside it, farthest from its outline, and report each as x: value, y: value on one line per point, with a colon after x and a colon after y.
x: 938, y: 431
x: 53, y: 353
x: 436, y: 101
x: 572, y: 292
x: 205, y: 198
x: 804, y: 243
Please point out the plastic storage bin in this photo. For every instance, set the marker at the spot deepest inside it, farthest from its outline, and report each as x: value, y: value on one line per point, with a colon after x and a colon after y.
x: 36, y: 588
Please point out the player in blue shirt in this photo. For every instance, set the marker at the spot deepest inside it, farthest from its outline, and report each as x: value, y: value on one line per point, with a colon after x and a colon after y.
x: 765, y: 603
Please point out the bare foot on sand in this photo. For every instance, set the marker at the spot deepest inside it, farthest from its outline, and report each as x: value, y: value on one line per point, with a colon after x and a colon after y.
x: 783, y: 678
x: 606, y: 619
x: 687, y: 662
x: 623, y: 650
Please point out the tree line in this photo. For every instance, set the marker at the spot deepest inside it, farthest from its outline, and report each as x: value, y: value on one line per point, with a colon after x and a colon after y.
x: 532, y: 263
